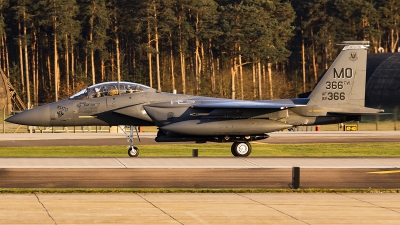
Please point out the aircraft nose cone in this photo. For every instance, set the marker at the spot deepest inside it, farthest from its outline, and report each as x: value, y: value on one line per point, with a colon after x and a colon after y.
x: 38, y: 116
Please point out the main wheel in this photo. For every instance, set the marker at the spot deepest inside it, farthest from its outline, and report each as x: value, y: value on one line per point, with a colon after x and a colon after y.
x: 241, y: 149
x: 133, y: 152
x: 233, y: 150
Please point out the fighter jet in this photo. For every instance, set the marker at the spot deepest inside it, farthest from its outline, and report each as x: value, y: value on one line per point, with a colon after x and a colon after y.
x: 338, y: 97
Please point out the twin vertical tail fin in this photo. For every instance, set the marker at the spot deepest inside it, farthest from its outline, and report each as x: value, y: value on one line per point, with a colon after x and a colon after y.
x: 343, y: 84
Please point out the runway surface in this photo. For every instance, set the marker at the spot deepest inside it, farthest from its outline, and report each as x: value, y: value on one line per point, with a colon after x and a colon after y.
x: 198, y: 178
x: 182, y: 172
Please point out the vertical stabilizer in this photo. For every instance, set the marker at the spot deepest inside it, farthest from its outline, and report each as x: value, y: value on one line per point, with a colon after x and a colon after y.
x: 343, y: 84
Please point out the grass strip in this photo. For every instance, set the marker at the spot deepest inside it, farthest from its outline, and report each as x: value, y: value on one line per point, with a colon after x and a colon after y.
x: 180, y: 190
x: 368, y: 149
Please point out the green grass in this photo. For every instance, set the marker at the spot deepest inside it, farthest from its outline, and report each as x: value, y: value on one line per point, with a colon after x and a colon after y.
x: 373, y: 149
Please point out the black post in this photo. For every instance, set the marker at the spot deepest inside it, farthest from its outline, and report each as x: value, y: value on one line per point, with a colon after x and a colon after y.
x: 195, y: 152
x: 296, y: 177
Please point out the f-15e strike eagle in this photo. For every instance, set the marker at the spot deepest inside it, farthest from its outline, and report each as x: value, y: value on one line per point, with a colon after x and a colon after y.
x: 338, y: 97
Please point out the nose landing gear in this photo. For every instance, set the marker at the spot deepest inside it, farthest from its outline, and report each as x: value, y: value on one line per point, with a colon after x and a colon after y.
x: 132, y: 150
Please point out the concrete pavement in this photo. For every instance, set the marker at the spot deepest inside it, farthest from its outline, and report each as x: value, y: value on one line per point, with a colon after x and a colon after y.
x: 248, y: 208
x: 204, y: 162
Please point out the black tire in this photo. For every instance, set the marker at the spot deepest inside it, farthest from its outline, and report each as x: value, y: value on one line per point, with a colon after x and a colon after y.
x: 241, y: 149
x: 133, y: 152
x: 233, y: 149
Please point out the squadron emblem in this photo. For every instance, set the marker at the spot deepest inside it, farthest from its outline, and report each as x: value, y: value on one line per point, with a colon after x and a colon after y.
x: 353, y: 56
x: 170, y: 116
x: 60, y: 114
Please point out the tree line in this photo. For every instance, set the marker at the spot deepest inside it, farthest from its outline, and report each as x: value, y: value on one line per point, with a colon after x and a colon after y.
x: 240, y: 49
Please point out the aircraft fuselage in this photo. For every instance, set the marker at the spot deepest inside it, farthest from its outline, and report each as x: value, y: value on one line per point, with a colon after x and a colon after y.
x: 338, y: 97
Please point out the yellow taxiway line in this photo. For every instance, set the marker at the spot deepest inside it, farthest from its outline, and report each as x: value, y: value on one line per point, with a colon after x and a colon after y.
x: 386, y: 172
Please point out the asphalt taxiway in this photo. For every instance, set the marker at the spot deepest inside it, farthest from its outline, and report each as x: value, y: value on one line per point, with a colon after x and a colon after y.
x: 199, y: 178
x: 182, y: 172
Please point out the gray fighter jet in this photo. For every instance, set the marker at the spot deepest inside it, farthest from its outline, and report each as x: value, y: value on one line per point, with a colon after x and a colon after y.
x: 338, y: 97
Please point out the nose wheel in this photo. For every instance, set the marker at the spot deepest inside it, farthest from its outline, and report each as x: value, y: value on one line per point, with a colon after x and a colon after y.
x: 241, y: 149
x: 133, y: 151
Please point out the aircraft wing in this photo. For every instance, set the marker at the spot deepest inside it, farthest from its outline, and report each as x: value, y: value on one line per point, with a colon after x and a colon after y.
x: 244, y: 105
x: 216, y: 108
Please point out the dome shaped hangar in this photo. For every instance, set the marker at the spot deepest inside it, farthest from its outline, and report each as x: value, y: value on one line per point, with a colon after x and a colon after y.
x: 383, y: 80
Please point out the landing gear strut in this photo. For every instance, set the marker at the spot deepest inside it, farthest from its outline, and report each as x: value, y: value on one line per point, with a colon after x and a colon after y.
x: 241, y: 149
x: 132, y: 150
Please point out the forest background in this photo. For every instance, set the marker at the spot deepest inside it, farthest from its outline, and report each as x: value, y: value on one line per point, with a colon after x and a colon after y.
x: 247, y: 49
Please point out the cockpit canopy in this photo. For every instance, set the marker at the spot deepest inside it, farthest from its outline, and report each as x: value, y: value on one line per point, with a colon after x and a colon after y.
x: 110, y: 89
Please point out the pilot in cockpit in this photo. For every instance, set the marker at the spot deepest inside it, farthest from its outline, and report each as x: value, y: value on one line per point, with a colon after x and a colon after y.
x: 97, y: 93
x: 113, y: 91
x: 129, y: 89
x: 104, y: 91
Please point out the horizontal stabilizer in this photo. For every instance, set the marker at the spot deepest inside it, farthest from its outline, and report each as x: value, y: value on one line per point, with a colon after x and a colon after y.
x: 362, y: 113
x: 358, y: 113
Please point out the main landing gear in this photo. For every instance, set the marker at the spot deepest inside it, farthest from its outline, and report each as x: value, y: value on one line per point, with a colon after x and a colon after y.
x: 241, y: 149
x: 132, y: 150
